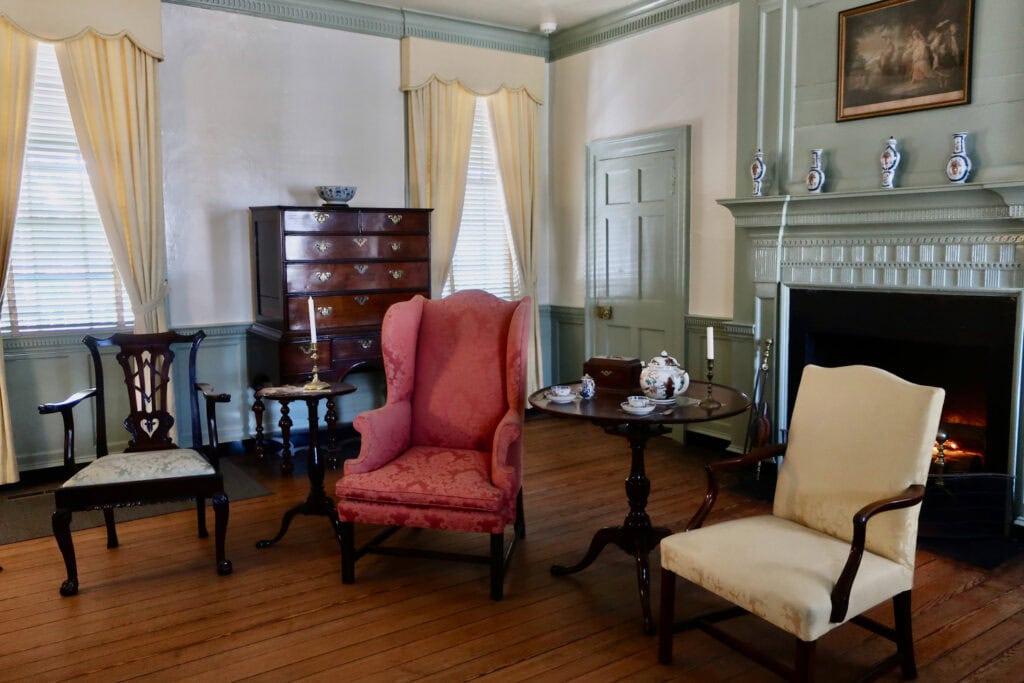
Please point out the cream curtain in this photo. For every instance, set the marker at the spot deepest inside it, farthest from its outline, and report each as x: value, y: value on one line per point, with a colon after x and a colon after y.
x: 17, y: 69
x: 515, y: 118
x: 111, y: 86
x: 440, y: 125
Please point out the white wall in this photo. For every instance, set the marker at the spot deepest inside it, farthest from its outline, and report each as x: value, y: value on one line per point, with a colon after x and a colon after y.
x: 258, y: 112
x: 684, y: 73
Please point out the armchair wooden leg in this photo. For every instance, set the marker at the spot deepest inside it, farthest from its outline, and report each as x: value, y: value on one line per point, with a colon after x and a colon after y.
x: 520, y: 525
x: 497, y: 566
x: 904, y: 634
x: 220, y: 530
x: 804, y: 661
x: 347, y: 540
x: 108, y: 519
x: 666, y: 616
x: 201, y: 517
x: 61, y: 523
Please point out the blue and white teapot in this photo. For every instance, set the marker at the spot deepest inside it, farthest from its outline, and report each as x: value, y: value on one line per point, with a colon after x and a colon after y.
x: 663, y: 379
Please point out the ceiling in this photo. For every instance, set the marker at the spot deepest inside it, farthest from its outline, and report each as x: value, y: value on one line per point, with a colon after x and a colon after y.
x: 524, y: 15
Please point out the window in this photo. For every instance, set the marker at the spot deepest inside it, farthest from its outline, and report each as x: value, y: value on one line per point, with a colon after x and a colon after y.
x: 485, y: 257
x: 61, y: 275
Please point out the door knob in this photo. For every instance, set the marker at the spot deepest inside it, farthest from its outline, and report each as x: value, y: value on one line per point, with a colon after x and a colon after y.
x: 603, y: 312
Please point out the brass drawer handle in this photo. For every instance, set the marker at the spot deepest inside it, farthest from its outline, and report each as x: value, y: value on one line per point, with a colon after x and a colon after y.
x: 365, y: 343
x: 361, y: 268
x: 606, y: 373
x: 320, y: 217
x: 395, y: 246
x: 362, y: 299
x: 397, y: 273
x: 359, y: 241
x: 324, y: 310
x: 321, y: 247
x: 322, y: 276
x: 395, y: 218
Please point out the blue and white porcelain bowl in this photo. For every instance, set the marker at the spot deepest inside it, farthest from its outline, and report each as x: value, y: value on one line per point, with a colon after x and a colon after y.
x: 336, y: 194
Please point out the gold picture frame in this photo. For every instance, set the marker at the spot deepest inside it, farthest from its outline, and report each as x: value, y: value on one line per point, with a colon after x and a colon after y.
x: 900, y: 56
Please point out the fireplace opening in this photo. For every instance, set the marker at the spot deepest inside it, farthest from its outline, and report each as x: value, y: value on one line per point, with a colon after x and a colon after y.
x: 960, y: 342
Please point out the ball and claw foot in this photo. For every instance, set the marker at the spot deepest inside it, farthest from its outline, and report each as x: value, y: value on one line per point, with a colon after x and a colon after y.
x: 224, y: 568
x: 69, y: 588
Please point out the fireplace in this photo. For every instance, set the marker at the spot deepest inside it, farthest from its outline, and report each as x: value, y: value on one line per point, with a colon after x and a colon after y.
x: 927, y: 283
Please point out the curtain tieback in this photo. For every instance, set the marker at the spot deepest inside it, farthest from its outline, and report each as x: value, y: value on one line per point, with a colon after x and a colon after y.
x: 153, y: 303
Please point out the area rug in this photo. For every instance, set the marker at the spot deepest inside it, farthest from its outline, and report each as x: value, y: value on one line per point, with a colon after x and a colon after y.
x: 25, y: 512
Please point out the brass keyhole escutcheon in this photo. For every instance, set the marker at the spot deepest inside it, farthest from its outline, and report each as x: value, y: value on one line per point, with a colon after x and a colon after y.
x: 322, y: 276
x: 395, y: 218
x: 321, y: 247
x: 603, y: 312
x: 359, y: 241
x: 324, y: 310
x: 365, y: 343
x: 397, y: 273
x: 320, y: 217
x: 362, y: 299
x: 361, y: 268
x: 395, y: 246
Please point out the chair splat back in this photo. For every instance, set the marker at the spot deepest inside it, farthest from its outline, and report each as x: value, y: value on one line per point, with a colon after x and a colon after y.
x: 145, y: 361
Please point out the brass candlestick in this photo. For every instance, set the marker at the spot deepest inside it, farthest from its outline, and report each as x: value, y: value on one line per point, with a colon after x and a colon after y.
x: 315, y: 384
x: 710, y: 403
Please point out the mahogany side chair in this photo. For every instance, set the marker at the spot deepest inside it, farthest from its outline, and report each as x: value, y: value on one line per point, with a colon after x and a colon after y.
x: 860, y: 444
x: 153, y: 469
x: 446, y: 449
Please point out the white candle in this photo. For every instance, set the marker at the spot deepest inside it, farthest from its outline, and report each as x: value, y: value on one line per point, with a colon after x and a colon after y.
x: 312, y: 321
x: 711, y: 343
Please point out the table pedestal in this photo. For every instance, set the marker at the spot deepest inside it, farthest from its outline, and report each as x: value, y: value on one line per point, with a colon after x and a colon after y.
x: 636, y: 536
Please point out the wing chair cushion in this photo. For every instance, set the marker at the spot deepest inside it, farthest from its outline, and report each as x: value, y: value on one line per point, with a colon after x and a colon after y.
x: 861, y: 435
x: 128, y: 467
x: 457, y: 479
x: 780, y: 571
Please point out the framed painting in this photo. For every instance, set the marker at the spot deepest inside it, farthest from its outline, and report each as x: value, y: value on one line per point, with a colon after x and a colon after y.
x: 903, y: 55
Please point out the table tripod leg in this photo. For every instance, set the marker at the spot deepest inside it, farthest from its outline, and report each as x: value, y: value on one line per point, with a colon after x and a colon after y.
x: 609, y: 534
x: 285, y: 523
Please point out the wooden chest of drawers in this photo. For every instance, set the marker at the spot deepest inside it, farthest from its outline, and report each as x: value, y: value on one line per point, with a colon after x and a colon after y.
x: 354, y: 262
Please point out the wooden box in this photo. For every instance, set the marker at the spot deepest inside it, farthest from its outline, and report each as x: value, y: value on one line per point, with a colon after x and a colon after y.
x: 614, y: 372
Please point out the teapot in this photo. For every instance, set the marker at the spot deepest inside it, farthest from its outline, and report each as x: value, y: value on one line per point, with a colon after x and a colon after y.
x: 662, y: 379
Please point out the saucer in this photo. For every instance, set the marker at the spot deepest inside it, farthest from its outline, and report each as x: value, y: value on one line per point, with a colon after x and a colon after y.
x: 637, y: 411
x: 559, y: 399
x: 662, y: 401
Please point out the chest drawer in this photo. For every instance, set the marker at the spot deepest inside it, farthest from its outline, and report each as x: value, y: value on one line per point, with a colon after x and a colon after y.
x: 334, y: 247
x: 334, y: 277
x: 358, y: 346
x: 297, y: 220
x: 347, y: 310
x: 393, y: 221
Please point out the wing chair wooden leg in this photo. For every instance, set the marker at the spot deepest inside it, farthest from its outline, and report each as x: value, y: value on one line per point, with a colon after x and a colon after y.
x: 61, y: 522
x: 804, y: 661
x: 346, y: 537
x: 904, y: 634
x: 520, y: 525
x: 201, y: 517
x: 220, y: 531
x: 497, y: 566
x: 108, y: 519
x: 667, y: 616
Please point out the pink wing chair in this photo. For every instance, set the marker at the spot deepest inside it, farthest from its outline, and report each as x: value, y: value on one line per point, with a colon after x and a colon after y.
x: 445, y: 451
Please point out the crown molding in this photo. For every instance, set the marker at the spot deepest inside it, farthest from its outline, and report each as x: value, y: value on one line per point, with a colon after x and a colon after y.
x: 345, y: 15
x: 641, y: 17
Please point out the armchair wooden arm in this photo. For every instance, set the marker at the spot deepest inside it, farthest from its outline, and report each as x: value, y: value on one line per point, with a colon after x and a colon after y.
x: 912, y: 495
x: 65, y: 408
x: 212, y: 399
x: 711, y: 469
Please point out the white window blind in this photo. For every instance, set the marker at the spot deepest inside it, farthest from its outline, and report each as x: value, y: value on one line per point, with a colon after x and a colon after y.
x: 484, y: 255
x: 61, y: 274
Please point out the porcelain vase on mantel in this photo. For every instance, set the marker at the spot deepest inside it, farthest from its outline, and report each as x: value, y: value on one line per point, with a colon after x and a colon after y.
x: 816, y: 176
x: 757, y: 169
x: 890, y: 161
x: 958, y: 168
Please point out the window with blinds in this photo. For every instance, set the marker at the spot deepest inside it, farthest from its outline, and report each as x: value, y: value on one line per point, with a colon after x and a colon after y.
x: 61, y: 274
x: 484, y: 254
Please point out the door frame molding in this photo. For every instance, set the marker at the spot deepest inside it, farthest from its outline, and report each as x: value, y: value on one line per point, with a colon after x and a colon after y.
x: 668, y: 139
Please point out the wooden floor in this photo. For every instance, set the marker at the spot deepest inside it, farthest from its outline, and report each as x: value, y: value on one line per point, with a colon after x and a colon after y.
x: 154, y: 608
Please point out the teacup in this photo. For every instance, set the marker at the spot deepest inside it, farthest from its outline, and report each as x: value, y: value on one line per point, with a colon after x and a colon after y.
x: 637, y: 401
x: 561, y: 390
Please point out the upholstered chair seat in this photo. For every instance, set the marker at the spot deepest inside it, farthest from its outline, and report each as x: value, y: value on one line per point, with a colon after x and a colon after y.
x: 121, y: 468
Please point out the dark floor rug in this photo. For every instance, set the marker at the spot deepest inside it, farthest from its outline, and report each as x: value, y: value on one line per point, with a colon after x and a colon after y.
x: 25, y: 511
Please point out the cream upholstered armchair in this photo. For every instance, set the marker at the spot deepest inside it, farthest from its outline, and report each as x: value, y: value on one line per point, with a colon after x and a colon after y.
x: 446, y: 450
x: 860, y: 444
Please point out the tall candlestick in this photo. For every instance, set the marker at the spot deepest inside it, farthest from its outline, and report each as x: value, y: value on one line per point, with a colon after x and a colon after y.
x: 711, y: 343
x: 312, y: 321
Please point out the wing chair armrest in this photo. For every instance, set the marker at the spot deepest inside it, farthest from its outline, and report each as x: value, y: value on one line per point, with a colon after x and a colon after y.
x: 912, y: 495
x: 385, y: 434
x: 65, y: 408
x: 712, y: 469
x: 212, y: 399
x: 506, y: 436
